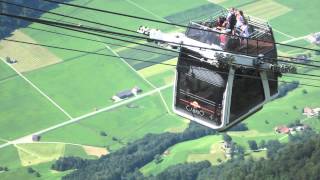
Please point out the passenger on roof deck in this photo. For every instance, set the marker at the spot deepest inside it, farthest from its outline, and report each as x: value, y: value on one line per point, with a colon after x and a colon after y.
x: 232, y: 20
x: 231, y: 11
x: 240, y: 19
x: 221, y: 22
x: 244, y: 30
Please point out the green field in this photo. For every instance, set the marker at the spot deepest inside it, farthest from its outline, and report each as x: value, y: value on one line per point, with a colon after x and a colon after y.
x: 147, y: 115
x: 186, y: 151
x: 87, y: 83
x: 24, y: 110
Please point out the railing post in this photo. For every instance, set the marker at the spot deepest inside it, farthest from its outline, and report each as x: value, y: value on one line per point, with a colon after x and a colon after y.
x: 257, y: 47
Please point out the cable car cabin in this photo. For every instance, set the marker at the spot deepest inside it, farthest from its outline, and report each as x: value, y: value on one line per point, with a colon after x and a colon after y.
x: 219, y: 95
x: 222, y: 78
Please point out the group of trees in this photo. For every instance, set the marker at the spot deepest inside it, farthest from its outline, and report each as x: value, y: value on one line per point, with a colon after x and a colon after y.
x: 124, y: 163
x: 284, y: 88
x: 32, y: 171
x: 299, y: 159
x: 4, y: 168
x: 239, y: 127
x: 8, y: 25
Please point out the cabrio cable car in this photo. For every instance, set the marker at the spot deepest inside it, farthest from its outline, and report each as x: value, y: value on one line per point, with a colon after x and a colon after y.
x: 222, y: 79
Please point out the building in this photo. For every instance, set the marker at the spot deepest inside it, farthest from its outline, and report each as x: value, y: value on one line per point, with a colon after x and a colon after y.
x: 315, y: 38
x: 11, y: 60
x: 301, y: 58
x: 311, y: 112
x: 36, y: 137
x: 126, y: 94
x: 282, y: 129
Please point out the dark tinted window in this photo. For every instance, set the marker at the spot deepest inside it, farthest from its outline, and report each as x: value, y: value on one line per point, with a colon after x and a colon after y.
x: 200, y: 89
x: 246, y: 93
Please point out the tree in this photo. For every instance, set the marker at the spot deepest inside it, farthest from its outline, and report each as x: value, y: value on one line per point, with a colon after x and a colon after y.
x: 30, y: 170
x: 227, y: 138
x: 272, y: 147
x: 295, y: 107
x: 102, y: 133
x: 262, y: 144
x: 37, y: 174
x: 253, y: 145
x: 304, y: 91
x: 239, y: 127
x: 266, y: 122
x: 158, y: 159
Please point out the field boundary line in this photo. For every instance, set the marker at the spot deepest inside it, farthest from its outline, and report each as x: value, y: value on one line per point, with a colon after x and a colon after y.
x: 164, y: 102
x: 26, y: 151
x: 146, y: 10
x: 28, y: 138
x: 295, y: 39
x: 125, y: 62
x: 287, y: 35
x: 39, y: 90
x: 150, y: 12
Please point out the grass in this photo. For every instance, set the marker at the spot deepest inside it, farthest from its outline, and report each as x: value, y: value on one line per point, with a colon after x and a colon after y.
x: 233, y: 3
x: 183, y: 152
x: 196, y: 13
x: 299, y: 21
x: 149, y: 58
x: 265, y: 9
x: 86, y: 83
x: 9, y: 157
x: 168, y: 7
x: 6, y: 72
x: 23, y: 110
x: 73, y: 150
x: 44, y: 169
x: 27, y: 59
x: 160, y: 75
x: 31, y: 154
x: 148, y: 115
x: 158, y: 68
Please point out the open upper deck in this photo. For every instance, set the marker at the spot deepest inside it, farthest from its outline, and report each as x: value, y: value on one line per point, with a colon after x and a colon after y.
x: 260, y: 38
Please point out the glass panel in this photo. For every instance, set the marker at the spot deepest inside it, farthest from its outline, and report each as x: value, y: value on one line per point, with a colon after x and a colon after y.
x: 246, y: 93
x: 200, y: 90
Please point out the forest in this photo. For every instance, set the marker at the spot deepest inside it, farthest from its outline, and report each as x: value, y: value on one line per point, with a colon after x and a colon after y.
x: 297, y: 159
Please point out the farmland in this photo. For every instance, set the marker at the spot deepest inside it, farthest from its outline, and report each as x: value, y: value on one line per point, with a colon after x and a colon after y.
x: 57, y: 86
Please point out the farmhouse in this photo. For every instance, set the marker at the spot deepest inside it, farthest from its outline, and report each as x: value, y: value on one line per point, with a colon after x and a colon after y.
x: 315, y: 38
x: 36, y: 137
x: 126, y: 94
x: 282, y: 129
x: 311, y: 112
x: 226, y: 146
x: 11, y: 60
x: 302, y: 58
